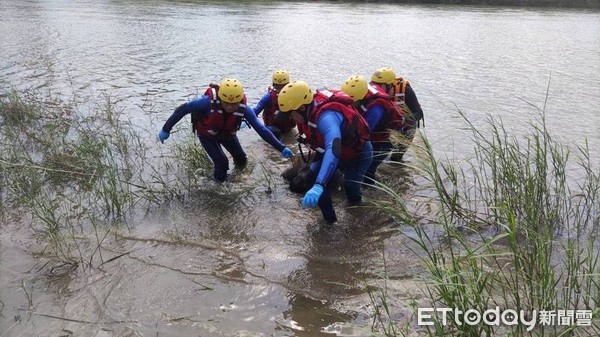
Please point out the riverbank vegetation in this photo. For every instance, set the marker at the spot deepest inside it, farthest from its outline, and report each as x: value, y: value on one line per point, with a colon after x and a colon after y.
x: 516, y: 227
x: 73, y: 176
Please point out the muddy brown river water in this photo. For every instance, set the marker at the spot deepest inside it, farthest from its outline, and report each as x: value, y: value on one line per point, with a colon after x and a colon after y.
x: 239, y: 259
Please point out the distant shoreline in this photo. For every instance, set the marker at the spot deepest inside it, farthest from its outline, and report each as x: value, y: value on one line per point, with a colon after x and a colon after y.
x: 583, y: 4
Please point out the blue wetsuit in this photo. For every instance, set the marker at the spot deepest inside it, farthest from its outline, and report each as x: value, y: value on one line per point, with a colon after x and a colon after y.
x: 212, y: 145
x: 330, y: 125
x: 373, y: 116
x: 276, y: 129
x: 264, y: 102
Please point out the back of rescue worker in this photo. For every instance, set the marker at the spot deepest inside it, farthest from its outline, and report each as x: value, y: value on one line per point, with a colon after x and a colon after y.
x: 340, y: 135
x: 405, y: 97
x: 382, y: 115
x: 269, y: 107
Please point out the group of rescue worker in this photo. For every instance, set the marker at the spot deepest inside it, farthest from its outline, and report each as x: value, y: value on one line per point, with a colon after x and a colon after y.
x: 349, y: 129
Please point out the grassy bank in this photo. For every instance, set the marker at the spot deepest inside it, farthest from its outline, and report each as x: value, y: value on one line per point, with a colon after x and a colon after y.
x: 515, y: 227
x: 75, y: 173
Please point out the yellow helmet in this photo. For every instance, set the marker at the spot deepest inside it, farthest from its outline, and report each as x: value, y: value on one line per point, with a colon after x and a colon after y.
x: 281, y: 76
x: 294, y: 95
x: 384, y: 75
x: 231, y: 91
x: 356, y: 87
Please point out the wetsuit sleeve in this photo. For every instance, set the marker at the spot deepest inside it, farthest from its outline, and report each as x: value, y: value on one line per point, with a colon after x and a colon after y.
x: 330, y: 126
x: 200, y: 105
x: 373, y: 116
x: 413, y: 103
x: 264, y: 101
x: 262, y: 131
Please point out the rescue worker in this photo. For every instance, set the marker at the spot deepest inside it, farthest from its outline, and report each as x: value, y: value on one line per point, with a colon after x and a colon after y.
x: 216, y: 118
x: 403, y: 94
x: 380, y: 112
x: 329, y: 125
x: 268, y: 105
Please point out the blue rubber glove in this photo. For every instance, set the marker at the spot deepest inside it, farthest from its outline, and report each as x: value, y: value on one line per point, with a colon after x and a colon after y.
x: 287, y: 153
x: 311, y: 198
x: 162, y: 136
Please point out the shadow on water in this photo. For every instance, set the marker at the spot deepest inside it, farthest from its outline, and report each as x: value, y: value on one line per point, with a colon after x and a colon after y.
x: 334, y: 271
x: 340, y: 261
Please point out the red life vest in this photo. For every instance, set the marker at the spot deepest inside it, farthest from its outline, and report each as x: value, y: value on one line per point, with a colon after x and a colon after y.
x: 392, y: 118
x: 355, y: 130
x: 218, y: 123
x: 270, y: 112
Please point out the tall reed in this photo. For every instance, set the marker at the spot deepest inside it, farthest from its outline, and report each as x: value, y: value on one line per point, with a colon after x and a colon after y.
x: 515, y: 227
x: 79, y: 171
x: 69, y: 169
